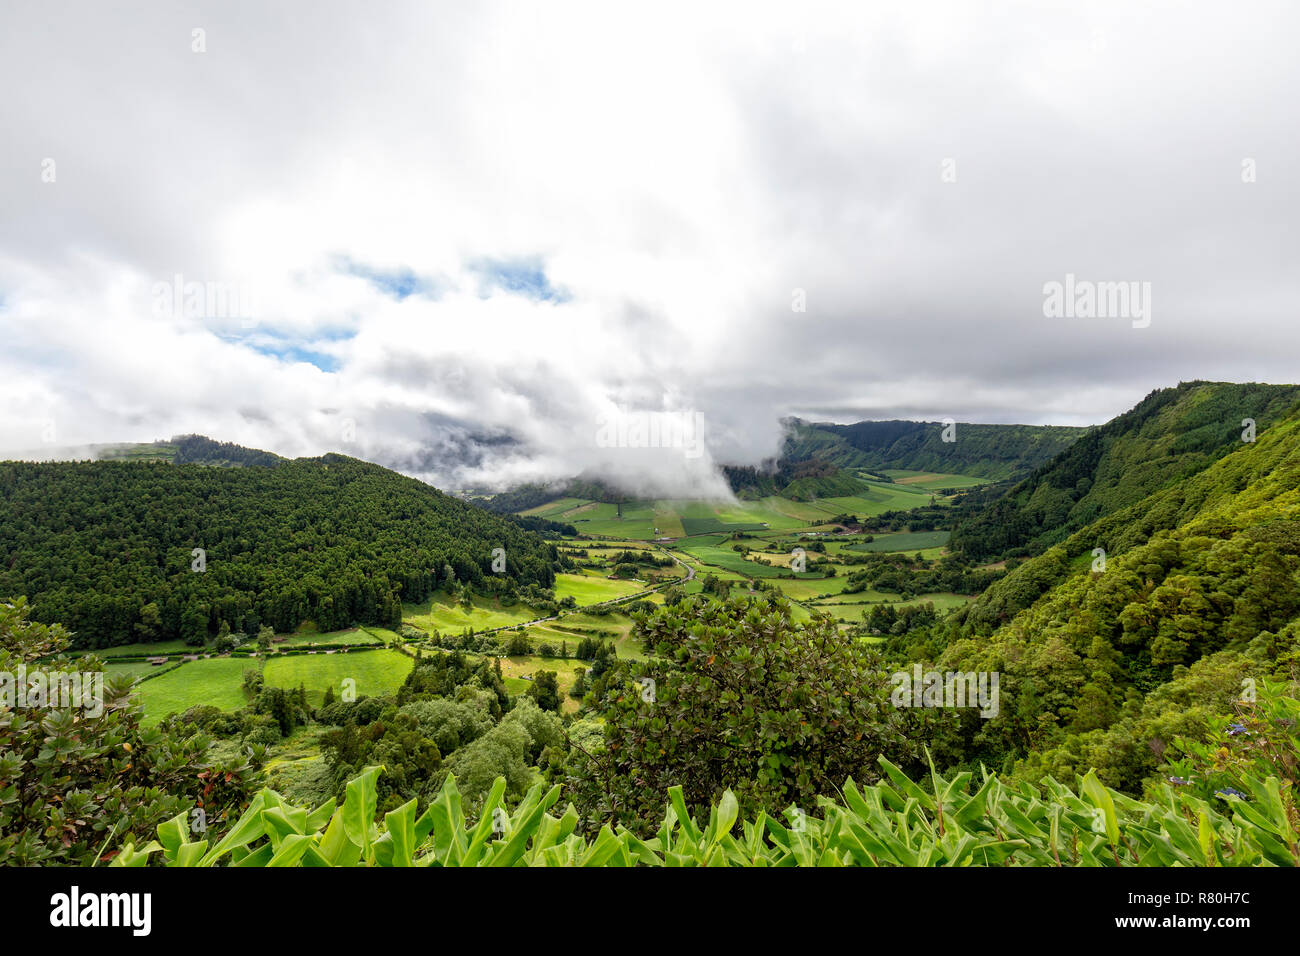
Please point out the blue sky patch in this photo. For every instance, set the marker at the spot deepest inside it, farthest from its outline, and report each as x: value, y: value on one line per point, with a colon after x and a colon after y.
x: 399, y: 283
x: 294, y: 352
x: 526, y: 277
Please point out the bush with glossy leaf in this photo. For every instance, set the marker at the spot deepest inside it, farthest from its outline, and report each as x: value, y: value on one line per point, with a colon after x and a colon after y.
x: 936, y: 822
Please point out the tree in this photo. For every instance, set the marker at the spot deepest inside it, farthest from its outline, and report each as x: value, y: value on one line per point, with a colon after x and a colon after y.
x: 150, y: 626
x: 742, y: 698
x: 545, y: 690
x: 194, y: 624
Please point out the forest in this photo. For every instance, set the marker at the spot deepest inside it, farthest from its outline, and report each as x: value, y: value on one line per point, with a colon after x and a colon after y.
x: 124, y: 552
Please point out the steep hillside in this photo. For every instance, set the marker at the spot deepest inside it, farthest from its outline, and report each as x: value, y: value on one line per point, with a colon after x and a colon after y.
x: 108, y: 547
x: 798, y: 481
x: 1172, y: 433
x: 983, y: 451
x: 1103, y: 664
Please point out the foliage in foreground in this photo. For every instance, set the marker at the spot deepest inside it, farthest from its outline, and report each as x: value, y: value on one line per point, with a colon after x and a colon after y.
x: 940, y: 822
x: 71, y: 784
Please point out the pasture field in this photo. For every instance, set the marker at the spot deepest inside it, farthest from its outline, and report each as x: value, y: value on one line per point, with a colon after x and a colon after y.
x: 218, y: 681
x: 554, y: 510
x: 136, y: 650
x: 846, y: 613
x: 902, y: 541
x: 807, y: 589
x: 729, y: 560
x: 589, y: 589
x: 515, y: 670
x: 879, y: 497
x: 132, y: 670
x: 854, y: 607
x: 942, y: 601
x: 376, y: 672
x: 933, y: 481
x: 778, y: 514
x: 352, y: 635
x: 861, y: 597
x: 440, y: 613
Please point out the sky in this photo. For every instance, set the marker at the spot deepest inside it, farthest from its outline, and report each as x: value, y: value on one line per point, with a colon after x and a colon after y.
x: 494, y: 243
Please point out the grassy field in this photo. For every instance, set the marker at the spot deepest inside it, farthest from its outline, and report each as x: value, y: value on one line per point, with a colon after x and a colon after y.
x: 514, y: 670
x: 724, y: 557
x: 941, y: 601
x: 933, y: 481
x: 589, y: 589
x: 805, y: 589
x: 217, y: 681
x: 902, y: 541
x: 134, y: 650
x: 376, y: 672
x: 132, y: 670
x: 441, y: 614
x: 354, y: 635
x: 555, y: 510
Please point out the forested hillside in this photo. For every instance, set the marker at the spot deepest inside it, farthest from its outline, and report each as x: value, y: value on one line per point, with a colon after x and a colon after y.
x: 108, y: 548
x: 1172, y: 433
x: 796, y: 480
x: 985, y: 451
x: 189, y: 450
x: 1106, y: 657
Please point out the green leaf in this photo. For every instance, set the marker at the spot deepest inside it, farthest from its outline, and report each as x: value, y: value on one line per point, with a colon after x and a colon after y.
x: 1096, y: 792
x: 359, y: 802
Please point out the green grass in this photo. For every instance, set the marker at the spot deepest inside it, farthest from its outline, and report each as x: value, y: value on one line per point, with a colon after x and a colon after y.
x: 942, y: 601
x: 586, y: 589
x: 805, y: 589
x: 712, y: 525
x: 149, y: 650
x: 376, y: 673
x: 934, y: 481
x: 217, y: 681
x: 353, y: 635
x: 902, y: 541
x: 441, y: 614
x: 132, y: 670
x: 555, y: 509
x: 724, y: 557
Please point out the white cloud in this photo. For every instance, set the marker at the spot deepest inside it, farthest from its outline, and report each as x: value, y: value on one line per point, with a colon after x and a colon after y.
x: 677, y: 170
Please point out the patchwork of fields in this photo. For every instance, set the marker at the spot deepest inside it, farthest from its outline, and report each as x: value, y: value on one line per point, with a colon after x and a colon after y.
x: 701, y: 536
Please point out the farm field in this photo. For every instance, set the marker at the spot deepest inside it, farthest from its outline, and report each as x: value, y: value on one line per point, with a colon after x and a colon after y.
x: 515, y: 670
x: 440, y: 614
x: 942, y: 601
x: 136, y: 650
x: 131, y: 669
x: 806, y: 589
x: 860, y: 597
x: 353, y: 635
x: 554, y: 510
x: 217, y: 681
x: 376, y: 672
x: 729, y: 560
x: 589, y: 589
x: 934, y: 480
x: 902, y: 541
